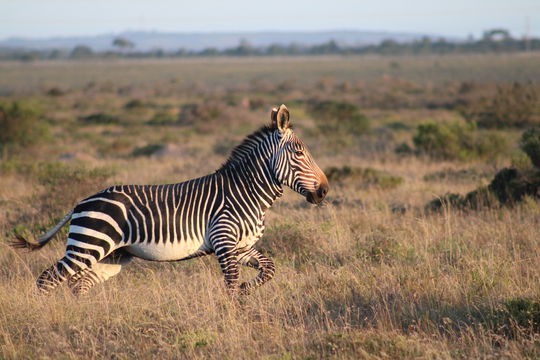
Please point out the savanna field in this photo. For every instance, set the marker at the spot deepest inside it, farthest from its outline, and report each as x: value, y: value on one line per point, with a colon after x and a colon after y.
x: 417, y: 252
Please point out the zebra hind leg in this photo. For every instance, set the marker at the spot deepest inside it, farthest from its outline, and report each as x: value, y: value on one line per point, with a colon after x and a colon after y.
x: 81, y: 282
x: 52, y: 277
x: 253, y: 258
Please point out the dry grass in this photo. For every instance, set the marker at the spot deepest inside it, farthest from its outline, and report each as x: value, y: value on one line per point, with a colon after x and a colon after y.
x: 369, y: 275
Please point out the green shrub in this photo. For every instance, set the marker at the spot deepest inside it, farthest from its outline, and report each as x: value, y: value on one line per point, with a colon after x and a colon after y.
x: 511, y: 185
x: 362, y: 177
x: 457, y: 140
x: 21, y: 125
x: 530, y: 144
x: 99, y: 118
x: 55, y: 92
x: 404, y: 149
x: 514, y: 105
x: 134, y: 104
x: 341, y: 118
x: 147, y: 150
x: 163, y: 118
x: 398, y: 126
x: 524, y: 313
x: 444, y: 140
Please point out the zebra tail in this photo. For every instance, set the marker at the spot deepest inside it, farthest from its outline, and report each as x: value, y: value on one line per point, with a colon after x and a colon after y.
x: 21, y: 243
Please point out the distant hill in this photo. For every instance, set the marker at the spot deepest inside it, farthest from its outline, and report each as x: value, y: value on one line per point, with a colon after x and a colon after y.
x: 145, y: 41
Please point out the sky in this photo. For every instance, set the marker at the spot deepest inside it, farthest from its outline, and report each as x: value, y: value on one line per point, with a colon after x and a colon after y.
x: 456, y: 18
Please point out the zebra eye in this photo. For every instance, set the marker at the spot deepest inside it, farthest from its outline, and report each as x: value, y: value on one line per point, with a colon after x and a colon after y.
x: 299, y: 152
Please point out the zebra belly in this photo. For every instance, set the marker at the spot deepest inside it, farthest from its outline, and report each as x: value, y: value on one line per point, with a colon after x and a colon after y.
x: 249, y: 239
x: 166, y: 252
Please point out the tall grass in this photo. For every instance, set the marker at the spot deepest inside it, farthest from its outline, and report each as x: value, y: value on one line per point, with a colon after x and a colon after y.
x: 370, y: 275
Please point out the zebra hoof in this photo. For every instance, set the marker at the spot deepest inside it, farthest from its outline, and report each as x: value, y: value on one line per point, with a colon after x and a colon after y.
x: 244, y: 289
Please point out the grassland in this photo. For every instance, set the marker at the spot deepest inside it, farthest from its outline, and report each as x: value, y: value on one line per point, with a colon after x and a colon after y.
x: 370, y: 275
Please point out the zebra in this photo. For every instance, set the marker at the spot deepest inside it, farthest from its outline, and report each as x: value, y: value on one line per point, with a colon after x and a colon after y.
x: 221, y: 213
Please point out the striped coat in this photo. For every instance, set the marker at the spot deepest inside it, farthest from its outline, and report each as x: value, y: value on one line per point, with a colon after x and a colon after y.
x: 221, y: 213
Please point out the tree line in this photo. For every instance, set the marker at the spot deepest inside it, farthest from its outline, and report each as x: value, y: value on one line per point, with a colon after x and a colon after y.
x: 492, y: 41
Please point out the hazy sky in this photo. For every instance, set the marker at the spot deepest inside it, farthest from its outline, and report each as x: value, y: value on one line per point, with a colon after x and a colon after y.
x: 45, y: 18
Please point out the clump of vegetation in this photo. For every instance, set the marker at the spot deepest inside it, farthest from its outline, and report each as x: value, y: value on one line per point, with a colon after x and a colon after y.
x: 530, y: 144
x: 510, y: 185
x: 21, y: 125
x: 524, y: 313
x: 507, y: 187
x: 191, y: 114
x: 134, y: 104
x: 364, y: 345
x: 288, y: 239
x: 147, y: 150
x: 362, y: 177
x: 339, y: 117
x: 380, y: 247
x: 514, y: 105
x: 163, y: 118
x: 457, y: 141
x: 99, y: 118
x: 476, y: 199
x: 55, y: 92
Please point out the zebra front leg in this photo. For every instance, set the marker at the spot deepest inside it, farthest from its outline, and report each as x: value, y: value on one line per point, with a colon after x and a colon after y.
x: 225, y: 250
x: 81, y: 282
x: 256, y: 260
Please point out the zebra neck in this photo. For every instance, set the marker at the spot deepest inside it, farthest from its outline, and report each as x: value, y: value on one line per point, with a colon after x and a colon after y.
x: 250, y: 168
x: 255, y: 183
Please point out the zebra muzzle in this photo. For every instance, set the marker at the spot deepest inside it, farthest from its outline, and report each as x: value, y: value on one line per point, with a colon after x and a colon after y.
x: 316, y: 197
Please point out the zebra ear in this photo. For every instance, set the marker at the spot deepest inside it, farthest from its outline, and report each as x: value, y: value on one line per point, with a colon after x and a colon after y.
x: 280, y: 118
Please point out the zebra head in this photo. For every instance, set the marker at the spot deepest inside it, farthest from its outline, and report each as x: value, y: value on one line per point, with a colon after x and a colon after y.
x: 293, y: 164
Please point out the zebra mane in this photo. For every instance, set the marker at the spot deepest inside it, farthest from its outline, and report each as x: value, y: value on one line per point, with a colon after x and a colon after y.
x: 246, y: 146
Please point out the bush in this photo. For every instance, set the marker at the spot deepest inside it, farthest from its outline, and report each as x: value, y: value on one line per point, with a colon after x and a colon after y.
x: 134, y: 104
x: 507, y: 187
x: 21, y: 125
x: 457, y: 140
x: 362, y: 177
x: 163, y: 118
x: 55, y: 91
x: 445, y: 140
x: 147, y: 150
x: 339, y: 117
x: 99, y: 118
x: 474, y: 200
x: 530, y: 144
x: 514, y: 105
x: 524, y: 313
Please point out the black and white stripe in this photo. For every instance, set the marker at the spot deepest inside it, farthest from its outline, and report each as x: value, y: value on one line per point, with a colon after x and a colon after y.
x: 221, y: 213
